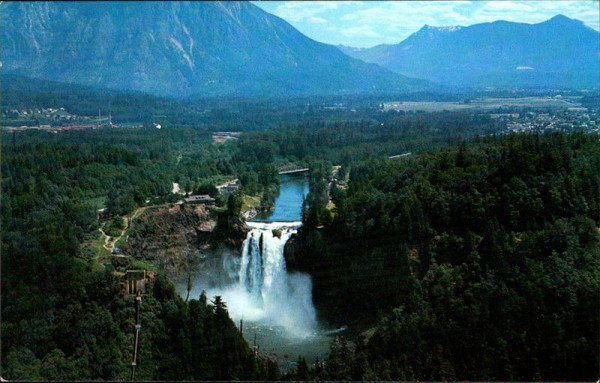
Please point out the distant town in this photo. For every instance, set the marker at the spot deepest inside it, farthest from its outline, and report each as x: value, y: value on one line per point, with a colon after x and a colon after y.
x: 54, y: 120
x: 519, y: 114
x: 524, y: 114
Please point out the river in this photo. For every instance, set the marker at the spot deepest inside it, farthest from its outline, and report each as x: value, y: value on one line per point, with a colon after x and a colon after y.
x: 288, y: 205
x: 275, y: 305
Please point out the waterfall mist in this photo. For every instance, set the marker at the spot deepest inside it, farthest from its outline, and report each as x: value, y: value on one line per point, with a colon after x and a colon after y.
x: 257, y: 287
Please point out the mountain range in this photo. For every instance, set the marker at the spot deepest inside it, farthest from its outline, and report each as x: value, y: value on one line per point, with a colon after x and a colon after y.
x: 560, y: 52
x: 180, y: 49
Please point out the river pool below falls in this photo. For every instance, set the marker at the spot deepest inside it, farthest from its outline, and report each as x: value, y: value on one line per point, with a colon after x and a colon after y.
x: 274, y: 305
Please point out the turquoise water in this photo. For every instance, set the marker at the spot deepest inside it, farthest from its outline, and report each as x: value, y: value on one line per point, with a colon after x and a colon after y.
x: 288, y: 205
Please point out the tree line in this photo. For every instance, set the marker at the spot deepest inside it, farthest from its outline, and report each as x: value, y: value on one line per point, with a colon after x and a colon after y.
x: 443, y: 234
x: 479, y: 261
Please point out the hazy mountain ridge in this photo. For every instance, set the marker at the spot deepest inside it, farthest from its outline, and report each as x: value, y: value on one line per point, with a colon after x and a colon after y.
x: 180, y: 49
x: 559, y: 52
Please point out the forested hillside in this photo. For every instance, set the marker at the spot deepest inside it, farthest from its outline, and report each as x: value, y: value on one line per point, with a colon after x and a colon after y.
x: 64, y: 316
x: 156, y: 159
x: 449, y: 259
x: 481, y: 259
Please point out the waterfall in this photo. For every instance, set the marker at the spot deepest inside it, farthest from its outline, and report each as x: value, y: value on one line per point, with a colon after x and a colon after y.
x: 271, y: 293
x: 257, y: 288
x: 262, y: 270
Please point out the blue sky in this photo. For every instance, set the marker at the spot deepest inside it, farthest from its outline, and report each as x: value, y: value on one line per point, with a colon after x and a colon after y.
x: 368, y: 23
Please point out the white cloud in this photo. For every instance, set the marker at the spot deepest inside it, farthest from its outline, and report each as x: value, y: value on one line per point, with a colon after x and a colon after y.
x: 397, y: 20
x: 295, y: 11
x: 532, y: 12
x: 317, y: 20
x: 508, y: 6
x: 360, y: 31
x: 375, y: 22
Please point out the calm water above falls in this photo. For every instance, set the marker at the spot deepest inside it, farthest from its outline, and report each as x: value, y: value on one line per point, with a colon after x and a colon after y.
x: 288, y: 205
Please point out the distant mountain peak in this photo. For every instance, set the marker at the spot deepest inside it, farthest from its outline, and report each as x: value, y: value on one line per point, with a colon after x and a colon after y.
x: 563, y: 20
x: 560, y: 17
x: 562, y: 51
x: 343, y: 48
x: 180, y: 48
x: 449, y: 28
x: 432, y: 32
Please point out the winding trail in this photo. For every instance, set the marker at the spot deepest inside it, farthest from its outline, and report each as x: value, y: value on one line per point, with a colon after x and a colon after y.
x: 109, y: 243
x: 106, y: 237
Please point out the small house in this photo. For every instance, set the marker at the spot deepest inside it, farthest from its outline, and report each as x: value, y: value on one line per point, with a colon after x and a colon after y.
x: 202, y: 199
x: 232, y: 188
x: 137, y: 281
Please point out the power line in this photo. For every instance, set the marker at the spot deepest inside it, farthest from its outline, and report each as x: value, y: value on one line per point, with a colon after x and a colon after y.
x: 138, y: 327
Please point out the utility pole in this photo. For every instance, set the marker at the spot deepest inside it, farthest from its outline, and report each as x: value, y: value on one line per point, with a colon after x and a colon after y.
x: 138, y: 327
x: 255, y: 346
x: 110, y: 125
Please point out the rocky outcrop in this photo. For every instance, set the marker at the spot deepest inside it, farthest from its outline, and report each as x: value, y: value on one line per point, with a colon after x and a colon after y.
x: 180, y: 49
x: 232, y: 230
x: 178, y: 238
x: 294, y: 253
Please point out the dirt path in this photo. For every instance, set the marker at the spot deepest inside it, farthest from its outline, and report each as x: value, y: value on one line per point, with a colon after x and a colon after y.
x: 106, y: 237
x: 138, y: 212
x: 109, y: 242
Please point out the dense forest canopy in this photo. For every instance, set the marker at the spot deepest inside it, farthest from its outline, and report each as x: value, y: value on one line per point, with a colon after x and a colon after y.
x: 63, y: 314
x: 477, y: 247
x: 481, y: 259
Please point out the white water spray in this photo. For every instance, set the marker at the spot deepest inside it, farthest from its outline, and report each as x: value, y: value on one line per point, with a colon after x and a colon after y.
x: 262, y: 290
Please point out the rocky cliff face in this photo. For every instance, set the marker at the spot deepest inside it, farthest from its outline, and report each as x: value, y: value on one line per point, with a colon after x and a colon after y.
x: 179, y: 49
x: 178, y: 239
x: 293, y: 250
